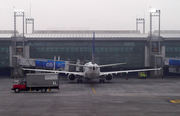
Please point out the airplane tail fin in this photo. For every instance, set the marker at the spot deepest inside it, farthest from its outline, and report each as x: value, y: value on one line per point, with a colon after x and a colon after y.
x: 93, y: 50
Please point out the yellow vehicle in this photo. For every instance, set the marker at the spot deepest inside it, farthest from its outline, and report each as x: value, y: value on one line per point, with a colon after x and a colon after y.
x: 142, y: 75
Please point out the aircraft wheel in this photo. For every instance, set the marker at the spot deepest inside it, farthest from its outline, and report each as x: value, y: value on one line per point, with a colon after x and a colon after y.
x: 43, y: 90
x: 99, y: 80
x: 103, y: 81
x: 81, y: 81
x: 78, y: 81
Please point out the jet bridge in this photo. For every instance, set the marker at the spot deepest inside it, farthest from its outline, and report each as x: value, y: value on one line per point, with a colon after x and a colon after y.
x: 173, y: 64
x: 157, y: 61
x: 40, y: 63
x: 43, y: 63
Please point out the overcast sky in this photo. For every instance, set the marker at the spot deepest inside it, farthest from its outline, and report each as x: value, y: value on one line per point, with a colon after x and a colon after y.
x: 90, y: 14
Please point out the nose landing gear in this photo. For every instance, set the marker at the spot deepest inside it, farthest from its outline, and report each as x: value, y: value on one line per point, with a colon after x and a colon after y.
x: 79, y: 81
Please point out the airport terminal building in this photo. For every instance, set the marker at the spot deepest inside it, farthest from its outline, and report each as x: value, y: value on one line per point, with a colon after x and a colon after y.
x: 111, y: 46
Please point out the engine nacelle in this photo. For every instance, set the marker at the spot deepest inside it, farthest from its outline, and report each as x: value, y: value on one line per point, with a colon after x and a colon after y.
x: 109, y: 77
x: 71, y: 77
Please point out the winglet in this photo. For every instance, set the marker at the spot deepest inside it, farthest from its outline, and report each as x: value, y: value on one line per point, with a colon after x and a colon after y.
x: 160, y: 68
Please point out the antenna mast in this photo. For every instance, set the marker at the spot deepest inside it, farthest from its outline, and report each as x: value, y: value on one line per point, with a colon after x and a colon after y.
x: 30, y: 11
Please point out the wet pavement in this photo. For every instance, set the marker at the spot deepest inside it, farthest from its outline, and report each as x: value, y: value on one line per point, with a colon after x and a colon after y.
x: 119, y: 97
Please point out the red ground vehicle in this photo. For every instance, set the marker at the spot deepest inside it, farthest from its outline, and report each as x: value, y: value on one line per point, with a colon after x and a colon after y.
x: 20, y: 87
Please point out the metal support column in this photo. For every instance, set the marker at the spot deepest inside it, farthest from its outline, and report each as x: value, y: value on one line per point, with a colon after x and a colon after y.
x: 136, y: 24
x: 33, y: 26
x: 26, y: 26
x: 14, y: 34
x: 144, y: 26
x: 150, y: 39
x: 23, y: 37
x: 159, y: 33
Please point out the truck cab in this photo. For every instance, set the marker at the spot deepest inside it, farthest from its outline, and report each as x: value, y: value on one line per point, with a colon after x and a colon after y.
x: 19, y: 87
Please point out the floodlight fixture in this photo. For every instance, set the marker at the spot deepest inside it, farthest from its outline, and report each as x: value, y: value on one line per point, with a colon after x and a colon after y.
x: 19, y: 12
x: 158, y: 10
x: 153, y: 10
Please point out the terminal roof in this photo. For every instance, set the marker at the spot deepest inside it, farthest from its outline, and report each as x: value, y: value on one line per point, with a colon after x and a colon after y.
x: 88, y: 34
x: 70, y: 34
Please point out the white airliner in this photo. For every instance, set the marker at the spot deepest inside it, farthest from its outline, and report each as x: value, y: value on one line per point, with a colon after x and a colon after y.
x: 92, y: 71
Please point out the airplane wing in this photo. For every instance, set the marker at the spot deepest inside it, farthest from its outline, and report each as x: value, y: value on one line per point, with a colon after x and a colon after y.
x: 111, y: 64
x: 127, y: 71
x: 56, y: 71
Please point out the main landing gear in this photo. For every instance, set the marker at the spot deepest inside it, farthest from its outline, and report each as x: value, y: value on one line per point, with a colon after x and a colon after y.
x: 79, y: 81
x: 101, y: 80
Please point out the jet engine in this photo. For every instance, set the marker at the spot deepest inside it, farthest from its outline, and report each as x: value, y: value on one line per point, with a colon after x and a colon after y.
x: 71, y: 77
x: 109, y: 77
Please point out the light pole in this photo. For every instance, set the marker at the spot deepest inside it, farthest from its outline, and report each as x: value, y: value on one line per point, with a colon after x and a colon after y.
x: 140, y: 21
x: 30, y: 21
x: 18, y: 13
x: 154, y: 12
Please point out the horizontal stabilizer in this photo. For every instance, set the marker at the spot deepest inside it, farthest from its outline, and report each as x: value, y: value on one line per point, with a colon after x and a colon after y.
x: 77, y: 65
x: 111, y: 65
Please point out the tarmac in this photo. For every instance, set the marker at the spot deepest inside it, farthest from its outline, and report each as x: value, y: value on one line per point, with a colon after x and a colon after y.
x: 119, y: 97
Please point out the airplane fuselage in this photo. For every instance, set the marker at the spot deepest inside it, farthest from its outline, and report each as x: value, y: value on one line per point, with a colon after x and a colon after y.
x: 91, y: 71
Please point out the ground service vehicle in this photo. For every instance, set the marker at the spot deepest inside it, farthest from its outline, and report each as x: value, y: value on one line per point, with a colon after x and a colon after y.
x: 40, y: 81
x: 142, y: 75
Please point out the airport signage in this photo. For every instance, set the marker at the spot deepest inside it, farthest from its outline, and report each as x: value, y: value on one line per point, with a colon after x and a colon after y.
x: 19, y: 49
x: 50, y: 64
x: 174, y: 62
x: 155, y: 50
